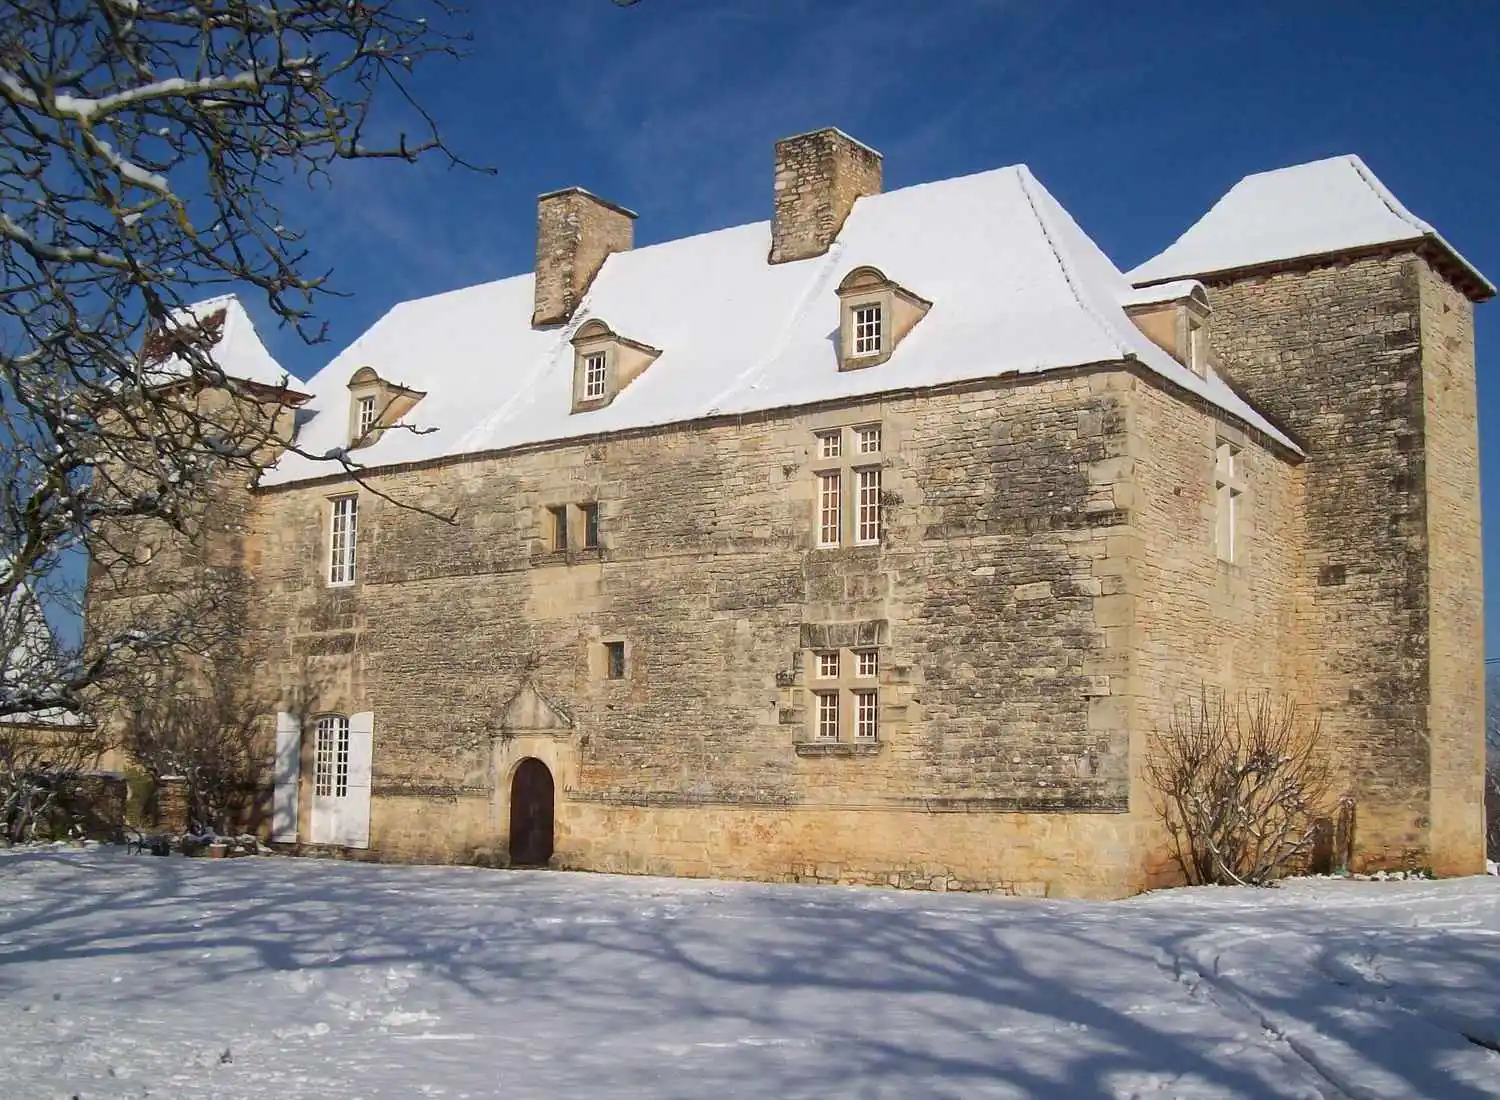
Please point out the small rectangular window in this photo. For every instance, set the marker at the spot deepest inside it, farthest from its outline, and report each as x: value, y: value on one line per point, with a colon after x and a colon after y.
x: 614, y: 660
x: 828, y: 716
x: 590, y: 526
x: 559, y: 517
x: 866, y: 664
x: 366, y: 416
x: 868, y: 439
x: 867, y: 329
x: 595, y: 375
x: 869, y: 506
x: 866, y: 706
x: 828, y: 666
x: 342, y: 538
x: 830, y: 516
x: 830, y: 444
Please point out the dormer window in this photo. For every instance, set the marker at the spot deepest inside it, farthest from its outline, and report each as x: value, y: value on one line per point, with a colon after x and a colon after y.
x: 875, y: 314
x: 375, y: 404
x: 604, y: 363
x: 1175, y: 317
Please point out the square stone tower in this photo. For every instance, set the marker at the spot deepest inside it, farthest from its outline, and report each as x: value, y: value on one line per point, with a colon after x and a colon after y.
x: 1350, y: 321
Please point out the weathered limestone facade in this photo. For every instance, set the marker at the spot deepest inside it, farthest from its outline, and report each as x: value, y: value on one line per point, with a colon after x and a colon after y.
x: 1048, y: 583
x: 1370, y: 362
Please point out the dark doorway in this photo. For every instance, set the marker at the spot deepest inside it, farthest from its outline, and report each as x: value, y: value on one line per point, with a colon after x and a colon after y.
x: 531, y: 814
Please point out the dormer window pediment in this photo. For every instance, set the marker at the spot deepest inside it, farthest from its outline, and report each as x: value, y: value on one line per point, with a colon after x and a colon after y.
x: 1175, y: 317
x: 375, y: 404
x: 875, y: 314
x: 604, y: 363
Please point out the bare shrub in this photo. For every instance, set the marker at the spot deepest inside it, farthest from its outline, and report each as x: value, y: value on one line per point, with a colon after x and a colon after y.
x: 1241, y: 785
x: 201, y: 729
x: 39, y: 767
x: 1492, y: 810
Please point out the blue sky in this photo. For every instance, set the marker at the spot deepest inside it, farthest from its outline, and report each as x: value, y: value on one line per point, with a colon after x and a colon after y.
x: 1136, y: 117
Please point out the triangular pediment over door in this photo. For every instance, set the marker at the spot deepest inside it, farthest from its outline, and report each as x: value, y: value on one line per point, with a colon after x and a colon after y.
x: 529, y: 711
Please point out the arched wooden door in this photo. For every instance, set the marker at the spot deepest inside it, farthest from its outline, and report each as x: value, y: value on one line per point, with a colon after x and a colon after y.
x: 531, y: 793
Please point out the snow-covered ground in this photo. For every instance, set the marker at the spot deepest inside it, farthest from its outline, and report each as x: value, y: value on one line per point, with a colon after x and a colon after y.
x: 277, y: 978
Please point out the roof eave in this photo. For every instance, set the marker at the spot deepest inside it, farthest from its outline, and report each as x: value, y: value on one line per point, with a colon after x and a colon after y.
x: 1443, y: 257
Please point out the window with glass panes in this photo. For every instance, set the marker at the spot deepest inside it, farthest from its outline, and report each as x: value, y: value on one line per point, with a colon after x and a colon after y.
x: 595, y: 375
x: 867, y: 516
x: 366, y: 416
x: 867, y: 329
x: 342, y: 539
x: 845, y: 686
x: 331, y: 757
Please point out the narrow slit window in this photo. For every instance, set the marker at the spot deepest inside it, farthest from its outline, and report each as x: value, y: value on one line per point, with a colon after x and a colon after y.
x: 559, y: 516
x: 342, y: 536
x: 614, y: 660
x: 590, y: 526
x: 828, y: 716
x: 869, y: 506
x: 867, y: 329
x: 331, y: 757
x: 1228, y: 490
x: 830, y: 516
x: 595, y: 375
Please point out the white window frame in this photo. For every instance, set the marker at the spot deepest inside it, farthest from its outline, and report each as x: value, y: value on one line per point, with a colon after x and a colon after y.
x: 831, y: 444
x: 828, y: 665
x: 331, y: 757
x: 828, y: 716
x: 866, y: 714
x: 1196, y: 347
x: 830, y: 508
x: 867, y: 506
x: 867, y: 439
x: 867, y: 330
x: 367, y: 413
x: 343, y: 540
x: 595, y: 376
x: 866, y: 664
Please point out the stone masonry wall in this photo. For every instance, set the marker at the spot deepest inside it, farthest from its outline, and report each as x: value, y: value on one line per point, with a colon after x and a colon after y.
x: 1003, y: 761
x: 818, y: 178
x: 1202, y: 623
x: 1456, y: 604
x: 1335, y: 353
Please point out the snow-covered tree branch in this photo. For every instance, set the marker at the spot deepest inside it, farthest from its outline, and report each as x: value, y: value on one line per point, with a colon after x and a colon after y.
x: 146, y: 151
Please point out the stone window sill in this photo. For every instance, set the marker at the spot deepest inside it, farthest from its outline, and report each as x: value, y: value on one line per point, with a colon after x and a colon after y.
x: 837, y: 748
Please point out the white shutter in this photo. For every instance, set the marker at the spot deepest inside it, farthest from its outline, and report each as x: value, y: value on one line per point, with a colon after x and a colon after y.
x: 288, y: 767
x: 354, y: 811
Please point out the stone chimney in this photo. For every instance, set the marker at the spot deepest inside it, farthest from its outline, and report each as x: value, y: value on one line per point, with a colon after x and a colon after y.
x: 818, y: 177
x: 575, y: 231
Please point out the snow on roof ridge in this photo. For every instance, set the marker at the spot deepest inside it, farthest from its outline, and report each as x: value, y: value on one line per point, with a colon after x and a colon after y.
x: 1025, y: 179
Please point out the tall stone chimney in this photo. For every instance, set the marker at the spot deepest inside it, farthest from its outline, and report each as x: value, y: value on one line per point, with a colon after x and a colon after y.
x: 818, y: 177
x: 575, y: 231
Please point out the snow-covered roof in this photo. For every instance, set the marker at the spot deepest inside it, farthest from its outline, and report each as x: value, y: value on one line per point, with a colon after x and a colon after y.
x: 28, y: 657
x: 1321, y: 208
x: 236, y: 346
x: 1016, y: 287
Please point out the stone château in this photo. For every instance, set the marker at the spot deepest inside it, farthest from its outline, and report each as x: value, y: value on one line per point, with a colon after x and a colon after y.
x: 873, y: 543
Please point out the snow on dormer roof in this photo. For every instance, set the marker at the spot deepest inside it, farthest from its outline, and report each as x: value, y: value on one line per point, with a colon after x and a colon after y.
x: 226, y: 329
x: 1322, y: 208
x: 1016, y: 287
